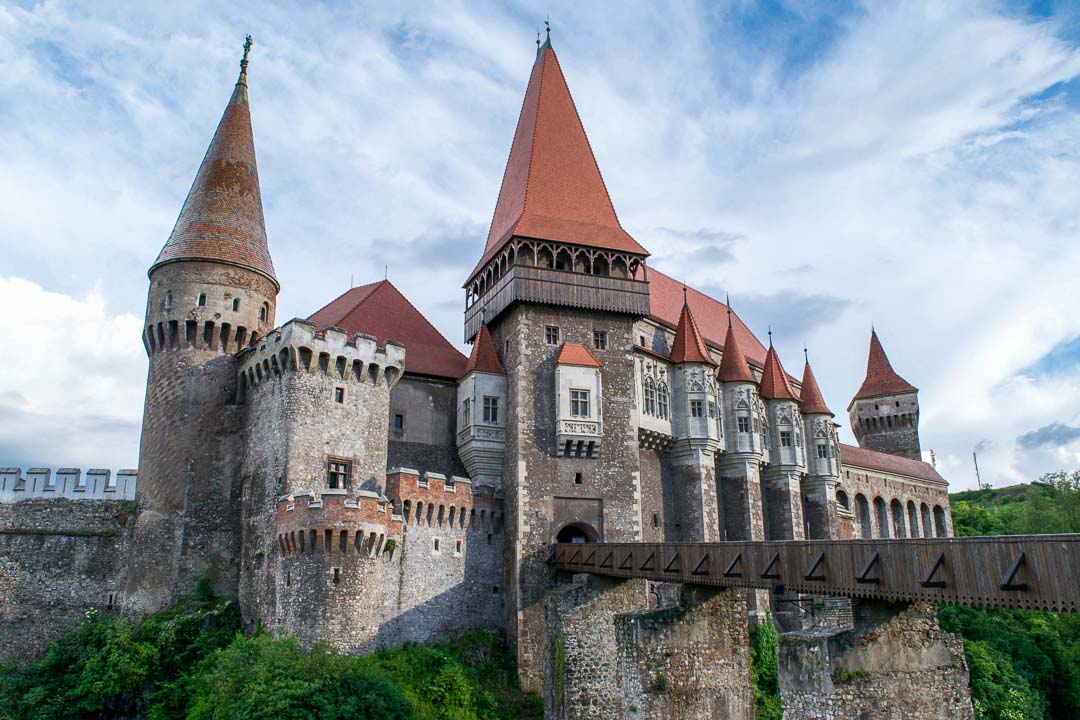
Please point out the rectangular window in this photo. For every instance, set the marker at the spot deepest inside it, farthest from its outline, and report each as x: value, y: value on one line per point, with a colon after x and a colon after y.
x: 337, y: 474
x: 579, y: 403
x: 662, y: 401
x: 399, y: 422
x: 641, y: 340
x: 823, y: 452
x: 712, y: 409
x: 339, y: 394
x: 551, y: 335
x: 744, y: 424
x: 697, y: 408
x: 785, y: 438
x: 466, y: 412
x: 599, y: 339
x: 491, y: 409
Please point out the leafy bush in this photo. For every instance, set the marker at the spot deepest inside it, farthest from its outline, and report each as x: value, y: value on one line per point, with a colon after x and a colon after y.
x: 764, y: 670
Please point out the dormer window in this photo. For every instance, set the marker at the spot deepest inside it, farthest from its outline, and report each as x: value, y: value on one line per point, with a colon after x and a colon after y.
x: 579, y: 403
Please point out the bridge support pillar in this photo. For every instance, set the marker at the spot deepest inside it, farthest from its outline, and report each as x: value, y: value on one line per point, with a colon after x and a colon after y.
x: 696, y: 505
x: 610, y: 655
x: 895, y: 663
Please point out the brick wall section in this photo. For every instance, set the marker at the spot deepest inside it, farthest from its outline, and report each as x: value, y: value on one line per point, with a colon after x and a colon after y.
x: 896, y: 664
x: 538, y: 484
x: 58, y: 559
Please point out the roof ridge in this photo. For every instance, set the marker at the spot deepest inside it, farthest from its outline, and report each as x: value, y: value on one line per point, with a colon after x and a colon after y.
x: 339, y: 297
x: 383, y: 283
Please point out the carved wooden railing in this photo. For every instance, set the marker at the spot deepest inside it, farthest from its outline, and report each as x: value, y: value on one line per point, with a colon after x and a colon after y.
x: 1035, y: 572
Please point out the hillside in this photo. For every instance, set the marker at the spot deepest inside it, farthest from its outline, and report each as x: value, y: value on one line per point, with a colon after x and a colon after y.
x: 1024, y: 665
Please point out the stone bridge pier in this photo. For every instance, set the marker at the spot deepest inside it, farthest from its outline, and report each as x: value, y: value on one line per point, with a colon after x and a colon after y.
x: 635, y: 650
x: 894, y: 664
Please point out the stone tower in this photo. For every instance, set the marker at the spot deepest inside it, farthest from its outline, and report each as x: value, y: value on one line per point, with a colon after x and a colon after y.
x: 212, y: 293
x: 822, y: 460
x: 784, y: 427
x: 884, y: 413
x: 559, y: 285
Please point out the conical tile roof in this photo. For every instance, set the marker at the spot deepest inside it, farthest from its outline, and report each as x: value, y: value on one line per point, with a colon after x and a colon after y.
x: 552, y: 188
x: 881, y: 379
x: 688, y: 345
x: 774, y: 381
x: 733, y: 367
x: 810, y: 400
x: 222, y: 217
x: 484, y: 358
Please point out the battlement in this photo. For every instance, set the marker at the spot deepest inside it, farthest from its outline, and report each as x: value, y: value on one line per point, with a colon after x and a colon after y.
x: 333, y: 520
x: 433, y: 500
x: 298, y: 346
x: 69, y: 483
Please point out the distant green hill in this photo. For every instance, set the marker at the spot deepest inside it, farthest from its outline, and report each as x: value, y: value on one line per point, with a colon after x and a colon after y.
x: 1024, y: 665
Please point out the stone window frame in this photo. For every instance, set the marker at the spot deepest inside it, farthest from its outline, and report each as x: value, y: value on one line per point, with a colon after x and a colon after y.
x: 580, y: 397
x: 552, y: 335
x: 339, y: 394
x: 466, y: 412
x: 650, y: 397
x: 491, y: 409
x: 236, y: 305
x: 662, y: 404
x: 743, y: 423
x: 399, y: 426
x: 201, y: 301
x: 342, y: 477
x: 697, y: 408
x: 599, y: 339
x: 787, y: 438
x: 823, y: 451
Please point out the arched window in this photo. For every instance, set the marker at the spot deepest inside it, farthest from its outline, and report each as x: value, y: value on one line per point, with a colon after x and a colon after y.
x: 913, y: 519
x: 236, y: 304
x: 202, y: 299
x: 862, y: 515
x: 168, y: 301
x: 264, y: 311
x: 927, y: 523
x: 899, y: 526
x: 650, y: 396
x: 939, y: 522
x: 662, y: 400
x: 842, y: 499
x: 881, y: 514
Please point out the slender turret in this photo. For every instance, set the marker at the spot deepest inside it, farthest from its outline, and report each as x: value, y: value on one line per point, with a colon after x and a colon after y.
x: 884, y: 413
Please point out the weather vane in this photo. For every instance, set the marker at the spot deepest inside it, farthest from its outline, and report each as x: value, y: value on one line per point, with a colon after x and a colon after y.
x: 547, y: 27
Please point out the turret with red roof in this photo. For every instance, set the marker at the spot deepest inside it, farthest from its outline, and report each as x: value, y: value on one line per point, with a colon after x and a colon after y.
x: 884, y: 413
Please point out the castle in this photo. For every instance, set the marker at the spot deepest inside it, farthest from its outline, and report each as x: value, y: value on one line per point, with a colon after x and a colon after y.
x: 353, y: 478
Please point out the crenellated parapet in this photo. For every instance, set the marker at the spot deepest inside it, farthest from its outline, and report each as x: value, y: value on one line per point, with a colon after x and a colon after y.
x: 453, y: 504
x: 69, y: 483
x: 298, y: 347
x: 335, y: 522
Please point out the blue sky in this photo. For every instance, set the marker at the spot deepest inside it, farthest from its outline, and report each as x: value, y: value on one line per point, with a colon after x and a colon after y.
x: 832, y: 165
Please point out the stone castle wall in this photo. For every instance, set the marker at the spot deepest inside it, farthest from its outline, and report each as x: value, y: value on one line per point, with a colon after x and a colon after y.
x: 924, y: 504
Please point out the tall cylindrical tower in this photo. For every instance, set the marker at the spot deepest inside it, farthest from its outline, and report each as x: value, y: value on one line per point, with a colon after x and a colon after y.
x: 212, y: 293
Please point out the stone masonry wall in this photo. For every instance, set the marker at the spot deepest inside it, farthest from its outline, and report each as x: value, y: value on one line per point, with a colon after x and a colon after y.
x: 58, y: 559
x: 895, y: 665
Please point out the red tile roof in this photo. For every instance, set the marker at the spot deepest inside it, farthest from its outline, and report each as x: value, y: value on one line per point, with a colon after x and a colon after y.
x: 774, y: 381
x: 222, y: 217
x: 552, y: 188
x: 881, y: 379
x: 483, y: 357
x: 575, y: 354
x: 688, y: 345
x: 810, y: 400
x: 733, y: 367
x: 381, y: 310
x: 711, y: 316
x: 874, y: 460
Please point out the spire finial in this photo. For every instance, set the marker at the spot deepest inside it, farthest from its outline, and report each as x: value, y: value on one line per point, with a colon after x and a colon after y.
x: 537, y: 38
x: 770, y: 335
x: 684, y: 302
x: 547, y: 27
x: 727, y: 302
x: 806, y: 353
x: 242, y: 80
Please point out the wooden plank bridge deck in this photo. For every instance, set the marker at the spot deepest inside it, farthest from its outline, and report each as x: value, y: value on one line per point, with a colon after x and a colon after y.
x: 1032, y: 572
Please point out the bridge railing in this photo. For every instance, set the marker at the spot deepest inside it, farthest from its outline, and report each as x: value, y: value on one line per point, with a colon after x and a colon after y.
x: 1034, y: 572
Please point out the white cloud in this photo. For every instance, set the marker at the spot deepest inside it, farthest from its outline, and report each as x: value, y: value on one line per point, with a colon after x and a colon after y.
x: 912, y: 169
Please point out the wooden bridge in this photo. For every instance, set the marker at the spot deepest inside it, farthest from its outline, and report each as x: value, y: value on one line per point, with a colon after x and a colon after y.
x: 1032, y: 572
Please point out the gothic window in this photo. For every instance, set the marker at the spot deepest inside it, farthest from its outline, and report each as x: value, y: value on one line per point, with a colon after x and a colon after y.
x: 491, y: 409
x: 202, y: 299
x: 662, y: 400
x: 579, y: 403
x: 744, y: 423
x: 697, y: 408
x: 337, y: 473
x: 650, y: 397
x: 551, y: 335
x: 465, y: 411
x: 264, y: 311
x: 785, y: 438
x: 599, y: 339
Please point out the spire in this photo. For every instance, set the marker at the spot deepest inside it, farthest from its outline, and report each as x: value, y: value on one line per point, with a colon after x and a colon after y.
x: 810, y: 400
x: 733, y: 367
x: 881, y: 379
x: 774, y: 381
x: 689, y: 345
x: 552, y: 188
x: 483, y: 357
x: 222, y: 217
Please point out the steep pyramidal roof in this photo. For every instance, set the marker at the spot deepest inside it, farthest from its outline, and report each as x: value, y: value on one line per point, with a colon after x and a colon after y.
x: 774, y: 381
x: 881, y: 379
x: 688, y: 345
x: 483, y: 357
x: 733, y: 367
x: 381, y: 310
x: 552, y: 188
x: 576, y: 354
x: 222, y: 217
x: 810, y: 400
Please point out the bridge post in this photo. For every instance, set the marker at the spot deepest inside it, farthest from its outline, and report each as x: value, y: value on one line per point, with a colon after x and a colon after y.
x: 896, y: 657
x: 610, y: 655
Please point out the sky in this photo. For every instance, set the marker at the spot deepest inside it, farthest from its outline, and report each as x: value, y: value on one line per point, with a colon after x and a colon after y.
x: 909, y: 166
